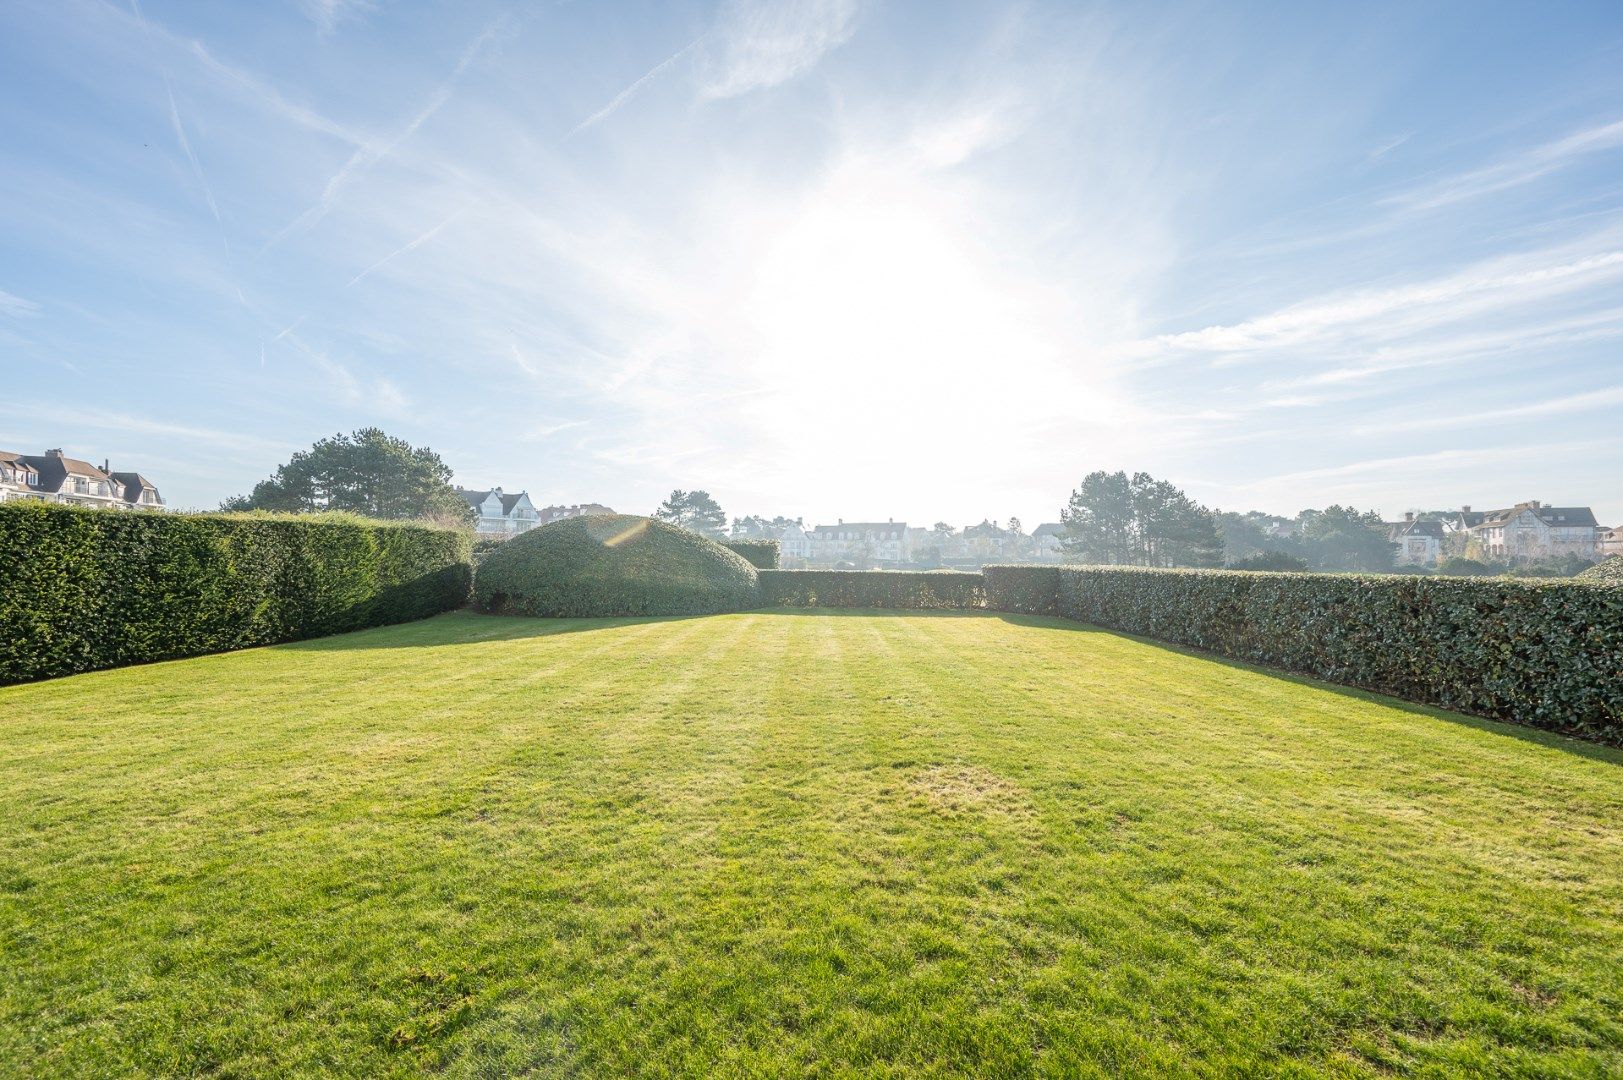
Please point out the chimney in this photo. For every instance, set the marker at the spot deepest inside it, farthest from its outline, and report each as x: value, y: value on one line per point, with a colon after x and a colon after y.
x: 1465, y: 509
x: 106, y: 465
x: 56, y: 453
x: 1408, y: 515
x: 1534, y: 503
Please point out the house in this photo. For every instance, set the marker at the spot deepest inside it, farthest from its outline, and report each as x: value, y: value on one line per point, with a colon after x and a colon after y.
x: 498, y: 514
x: 55, y: 477
x: 1419, y: 543
x: 1048, y: 540
x: 882, y: 542
x: 18, y: 479
x: 558, y: 513
x: 1610, y: 541
x: 139, y: 492
x: 794, y: 544
x: 1531, y: 531
x: 989, y: 542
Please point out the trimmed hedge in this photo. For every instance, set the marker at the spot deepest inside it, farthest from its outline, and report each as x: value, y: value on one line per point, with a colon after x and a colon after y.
x: 761, y: 554
x: 1029, y: 590
x: 86, y: 589
x: 612, y: 564
x: 1546, y: 654
x: 1609, y: 571
x: 901, y: 590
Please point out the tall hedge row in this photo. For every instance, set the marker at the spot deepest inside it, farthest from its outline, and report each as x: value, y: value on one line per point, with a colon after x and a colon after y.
x: 900, y: 590
x: 761, y: 554
x: 87, y: 589
x: 1029, y: 590
x: 1546, y: 654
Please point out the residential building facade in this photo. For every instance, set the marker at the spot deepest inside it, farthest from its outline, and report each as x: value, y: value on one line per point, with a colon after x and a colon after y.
x: 872, y: 542
x: 1530, y: 531
x: 498, y: 514
x: 559, y: 513
x: 1419, y: 543
x: 55, y: 477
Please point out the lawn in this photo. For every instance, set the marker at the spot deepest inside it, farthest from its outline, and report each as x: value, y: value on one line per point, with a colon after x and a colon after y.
x: 791, y: 843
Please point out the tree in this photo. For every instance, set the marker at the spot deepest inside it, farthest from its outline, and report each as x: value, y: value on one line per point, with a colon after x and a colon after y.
x: 1341, y: 538
x: 368, y: 472
x: 694, y: 510
x: 1138, y: 521
x: 757, y: 527
x: 1276, y: 561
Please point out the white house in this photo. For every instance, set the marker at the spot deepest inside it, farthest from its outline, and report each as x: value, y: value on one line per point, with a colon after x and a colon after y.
x: 498, y: 514
x: 793, y: 543
x: 1610, y: 541
x: 1531, y: 531
x: 1420, y: 543
x: 54, y: 477
x: 558, y: 513
x: 1047, y: 542
x: 861, y: 541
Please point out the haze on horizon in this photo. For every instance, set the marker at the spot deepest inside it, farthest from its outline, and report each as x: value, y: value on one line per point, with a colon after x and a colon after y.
x: 825, y: 258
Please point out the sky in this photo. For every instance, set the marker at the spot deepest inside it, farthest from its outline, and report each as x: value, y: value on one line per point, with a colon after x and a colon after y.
x: 825, y: 258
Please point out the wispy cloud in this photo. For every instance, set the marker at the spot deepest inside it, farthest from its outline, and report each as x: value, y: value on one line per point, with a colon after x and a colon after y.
x: 175, y: 122
x: 15, y: 306
x: 1428, y: 302
x: 1570, y: 403
x: 374, y: 151
x: 104, y: 420
x: 328, y: 15
x: 631, y: 91
x: 417, y: 242
x: 761, y: 43
x: 1513, y: 171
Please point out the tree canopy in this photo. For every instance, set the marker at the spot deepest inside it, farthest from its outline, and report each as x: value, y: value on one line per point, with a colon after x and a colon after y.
x: 1138, y: 521
x: 694, y: 510
x: 367, y: 472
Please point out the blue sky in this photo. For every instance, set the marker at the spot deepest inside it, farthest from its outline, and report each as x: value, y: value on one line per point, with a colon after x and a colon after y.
x: 825, y: 257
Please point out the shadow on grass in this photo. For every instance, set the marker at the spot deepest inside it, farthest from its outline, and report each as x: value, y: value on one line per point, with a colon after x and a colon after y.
x: 1579, y: 747
x: 469, y: 627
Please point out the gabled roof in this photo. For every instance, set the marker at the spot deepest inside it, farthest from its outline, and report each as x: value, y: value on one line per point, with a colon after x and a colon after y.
x: 1049, y: 528
x: 134, y: 484
x: 862, y: 526
x: 54, y: 470
x: 475, y: 498
x: 1397, y: 530
x: 510, y: 501
x: 1561, y: 517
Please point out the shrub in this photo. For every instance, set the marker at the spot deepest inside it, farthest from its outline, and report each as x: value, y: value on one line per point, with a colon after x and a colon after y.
x: 761, y: 554
x: 1030, y: 590
x: 613, y: 564
x: 484, y: 545
x: 1460, y: 566
x: 87, y: 589
x: 1545, y: 654
x: 900, y: 590
x: 1274, y: 561
x: 1609, y: 571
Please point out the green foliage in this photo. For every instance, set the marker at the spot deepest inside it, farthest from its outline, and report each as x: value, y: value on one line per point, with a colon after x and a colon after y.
x: 1545, y: 654
x: 895, y: 590
x: 90, y: 589
x: 1341, y: 538
x: 369, y: 472
x: 1608, y: 571
x: 484, y: 545
x: 1460, y: 566
x: 613, y: 564
x: 761, y: 554
x: 695, y: 511
x: 1138, y: 521
x: 754, y: 526
x: 1028, y: 590
x: 1276, y: 561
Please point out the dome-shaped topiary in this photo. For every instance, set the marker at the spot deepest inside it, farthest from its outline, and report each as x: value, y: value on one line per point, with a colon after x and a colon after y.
x: 612, y: 564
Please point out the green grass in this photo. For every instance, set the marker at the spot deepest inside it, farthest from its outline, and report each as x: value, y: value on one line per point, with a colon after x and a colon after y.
x: 791, y: 843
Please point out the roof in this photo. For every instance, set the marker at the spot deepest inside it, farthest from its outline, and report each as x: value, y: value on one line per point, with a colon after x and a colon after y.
x: 54, y: 470
x: 1563, y: 517
x: 475, y: 498
x: 1049, y: 528
x: 1399, y: 529
x: 134, y: 484
x: 862, y: 526
x: 510, y: 501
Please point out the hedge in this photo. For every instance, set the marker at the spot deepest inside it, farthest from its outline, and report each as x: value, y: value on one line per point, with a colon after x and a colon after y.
x: 901, y: 590
x: 612, y: 564
x: 761, y: 554
x: 87, y: 589
x: 1546, y: 654
x: 1029, y: 590
x: 1609, y: 571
